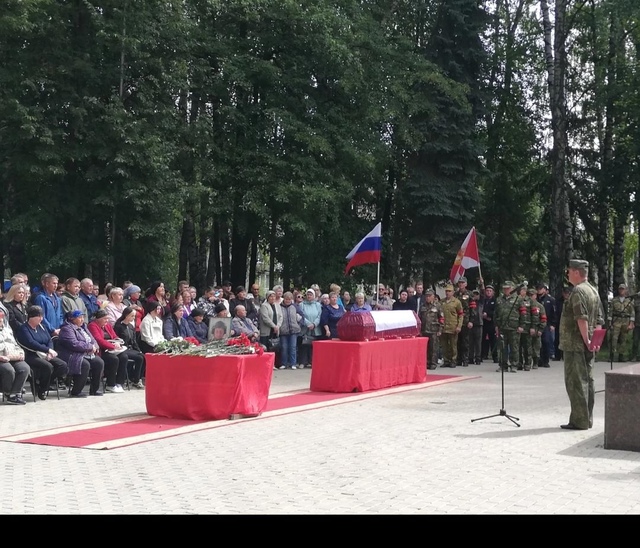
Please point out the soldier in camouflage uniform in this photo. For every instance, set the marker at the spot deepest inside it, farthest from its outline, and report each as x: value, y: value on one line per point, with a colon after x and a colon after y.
x: 622, y: 320
x: 510, y: 320
x: 453, y: 313
x: 432, y: 320
x: 538, y: 322
x: 524, y: 356
x: 635, y: 347
x: 581, y: 315
x: 463, y: 295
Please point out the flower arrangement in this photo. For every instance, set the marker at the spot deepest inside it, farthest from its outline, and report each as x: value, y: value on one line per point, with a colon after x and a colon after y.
x: 189, y: 346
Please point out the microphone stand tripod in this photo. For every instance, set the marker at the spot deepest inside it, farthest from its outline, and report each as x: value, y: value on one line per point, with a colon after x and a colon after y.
x: 502, y: 412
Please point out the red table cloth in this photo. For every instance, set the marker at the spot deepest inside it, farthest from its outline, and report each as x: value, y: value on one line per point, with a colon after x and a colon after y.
x: 357, y: 366
x: 197, y: 388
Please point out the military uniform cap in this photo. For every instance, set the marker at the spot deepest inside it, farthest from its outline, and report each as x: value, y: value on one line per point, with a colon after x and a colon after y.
x: 622, y: 286
x: 490, y: 287
x: 429, y: 292
x: 508, y: 283
x: 462, y: 279
x: 578, y: 263
x: 532, y: 291
x: 448, y: 287
x: 476, y: 292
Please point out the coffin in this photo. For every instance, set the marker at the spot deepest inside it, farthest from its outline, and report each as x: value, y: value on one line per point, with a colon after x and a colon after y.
x: 379, y: 324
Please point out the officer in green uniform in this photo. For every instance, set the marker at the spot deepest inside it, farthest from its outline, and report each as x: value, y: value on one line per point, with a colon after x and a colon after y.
x: 537, y: 326
x: 432, y: 320
x: 453, y: 313
x: 581, y: 315
x: 463, y: 295
x: 524, y: 356
x: 510, y: 322
x: 622, y: 320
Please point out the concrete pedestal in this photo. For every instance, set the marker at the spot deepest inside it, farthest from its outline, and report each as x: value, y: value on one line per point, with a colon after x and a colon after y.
x: 622, y: 408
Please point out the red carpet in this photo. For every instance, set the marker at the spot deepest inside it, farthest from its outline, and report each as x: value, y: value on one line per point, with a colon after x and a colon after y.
x: 130, y: 430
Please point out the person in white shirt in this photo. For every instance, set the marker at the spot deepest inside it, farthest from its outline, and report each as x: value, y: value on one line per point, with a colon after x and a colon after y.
x: 151, y: 327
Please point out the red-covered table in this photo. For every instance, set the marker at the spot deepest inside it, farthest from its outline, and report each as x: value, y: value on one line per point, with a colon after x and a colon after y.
x: 354, y: 366
x: 197, y: 388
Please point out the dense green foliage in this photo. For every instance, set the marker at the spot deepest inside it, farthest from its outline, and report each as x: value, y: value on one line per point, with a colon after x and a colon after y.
x: 217, y: 139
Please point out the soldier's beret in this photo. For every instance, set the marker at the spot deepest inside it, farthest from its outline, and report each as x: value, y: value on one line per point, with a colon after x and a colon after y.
x: 578, y: 263
x: 622, y: 286
x: 462, y: 279
x: 532, y: 291
x: 448, y: 287
x: 508, y: 283
x: 429, y: 292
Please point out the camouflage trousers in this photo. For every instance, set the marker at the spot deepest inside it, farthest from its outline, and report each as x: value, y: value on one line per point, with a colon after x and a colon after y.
x: 524, y: 357
x: 432, y: 349
x: 578, y: 380
x: 619, y: 337
x: 536, y: 347
x: 509, y: 348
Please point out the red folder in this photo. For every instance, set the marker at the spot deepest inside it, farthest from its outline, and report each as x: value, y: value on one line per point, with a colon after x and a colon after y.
x: 597, y: 338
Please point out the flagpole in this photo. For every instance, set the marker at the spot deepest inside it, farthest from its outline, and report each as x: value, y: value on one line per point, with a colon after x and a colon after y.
x: 479, y: 267
x: 377, y: 286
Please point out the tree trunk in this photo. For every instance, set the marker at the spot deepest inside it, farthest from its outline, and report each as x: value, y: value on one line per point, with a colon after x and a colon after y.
x: 618, y: 252
x: 556, y: 61
x: 253, y: 261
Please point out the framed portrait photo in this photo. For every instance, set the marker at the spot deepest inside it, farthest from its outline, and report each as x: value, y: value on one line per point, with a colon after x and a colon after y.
x: 219, y: 329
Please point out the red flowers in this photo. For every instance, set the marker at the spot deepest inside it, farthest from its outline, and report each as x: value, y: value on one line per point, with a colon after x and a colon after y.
x: 243, y: 340
x: 192, y: 340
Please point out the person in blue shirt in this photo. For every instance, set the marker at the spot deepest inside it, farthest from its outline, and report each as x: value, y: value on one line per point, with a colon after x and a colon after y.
x: 360, y: 305
x: 88, y: 297
x: 331, y: 314
x: 51, y: 304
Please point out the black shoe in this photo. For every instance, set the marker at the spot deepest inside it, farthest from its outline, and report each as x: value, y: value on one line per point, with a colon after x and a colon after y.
x: 81, y: 395
x: 465, y: 364
x: 42, y: 395
x: 16, y: 400
x: 432, y: 366
x: 520, y: 368
x: 544, y: 365
x: 513, y: 370
x: 571, y: 427
x: 96, y: 393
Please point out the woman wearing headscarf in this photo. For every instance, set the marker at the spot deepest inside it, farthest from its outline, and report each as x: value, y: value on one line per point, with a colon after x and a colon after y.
x: 132, y: 300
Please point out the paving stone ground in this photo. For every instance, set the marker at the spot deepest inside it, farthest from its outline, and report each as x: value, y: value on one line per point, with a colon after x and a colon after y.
x: 413, y: 452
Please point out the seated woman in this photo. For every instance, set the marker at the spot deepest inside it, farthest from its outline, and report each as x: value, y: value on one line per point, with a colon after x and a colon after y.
x: 111, y: 351
x: 198, y: 326
x: 132, y: 300
x: 115, y: 306
x: 36, y: 341
x: 188, y: 303
x: 331, y: 314
x: 151, y: 327
x: 175, y: 325
x: 80, y: 350
x: 14, y: 371
x: 125, y: 329
x: 16, y: 304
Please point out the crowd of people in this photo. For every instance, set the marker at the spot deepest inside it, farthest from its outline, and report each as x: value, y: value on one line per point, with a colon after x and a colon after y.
x: 70, y: 334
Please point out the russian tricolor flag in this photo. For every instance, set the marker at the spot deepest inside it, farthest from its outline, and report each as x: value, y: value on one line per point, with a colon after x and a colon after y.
x: 367, y: 251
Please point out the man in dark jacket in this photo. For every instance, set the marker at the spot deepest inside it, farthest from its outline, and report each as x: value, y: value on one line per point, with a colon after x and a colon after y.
x: 488, y: 325
x: 549, y: 333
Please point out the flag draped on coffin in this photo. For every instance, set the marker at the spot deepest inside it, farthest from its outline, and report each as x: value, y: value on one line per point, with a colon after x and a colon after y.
x: 468, y: 256
x: 367, y: 250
